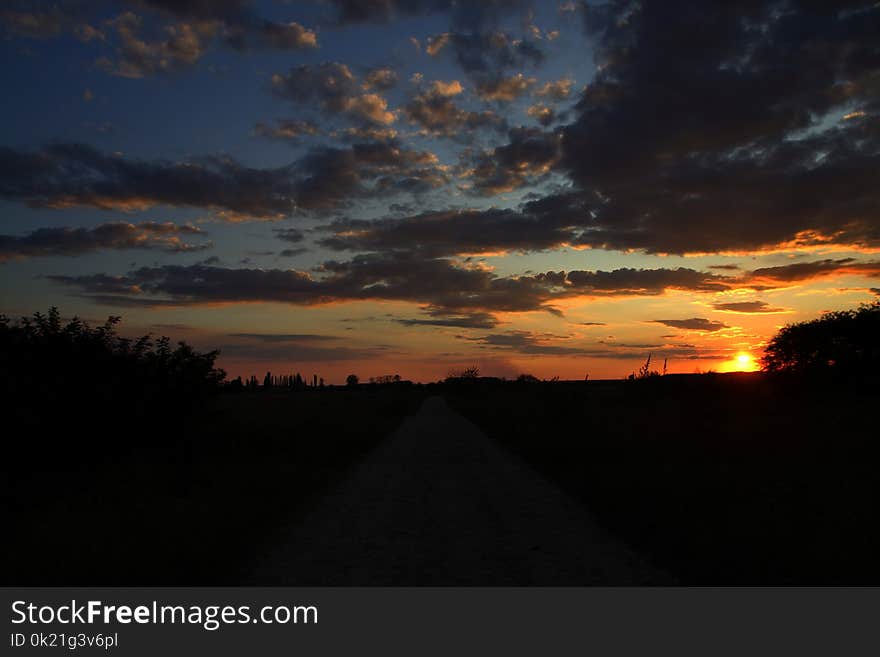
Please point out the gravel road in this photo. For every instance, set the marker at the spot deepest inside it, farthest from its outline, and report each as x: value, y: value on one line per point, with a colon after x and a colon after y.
x: 439, y: 503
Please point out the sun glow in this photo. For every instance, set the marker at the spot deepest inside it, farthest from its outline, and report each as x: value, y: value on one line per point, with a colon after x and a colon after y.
x: 742, y: 362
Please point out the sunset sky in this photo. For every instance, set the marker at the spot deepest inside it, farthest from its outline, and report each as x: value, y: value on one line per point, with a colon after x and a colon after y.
x: 380, y: 186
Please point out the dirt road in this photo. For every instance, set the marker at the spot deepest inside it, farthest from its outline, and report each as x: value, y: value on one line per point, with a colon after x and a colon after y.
x: 438, y: 503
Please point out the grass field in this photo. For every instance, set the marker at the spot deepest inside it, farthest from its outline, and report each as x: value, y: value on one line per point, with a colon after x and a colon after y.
x: 195, y: 503
x: 719, y: 479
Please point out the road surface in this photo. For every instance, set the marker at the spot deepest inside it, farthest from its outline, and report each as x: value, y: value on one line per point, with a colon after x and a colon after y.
x: 438, y: 503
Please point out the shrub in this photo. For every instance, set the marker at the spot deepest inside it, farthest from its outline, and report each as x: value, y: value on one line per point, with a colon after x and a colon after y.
x: 843, y: 341
x: 57, y: 375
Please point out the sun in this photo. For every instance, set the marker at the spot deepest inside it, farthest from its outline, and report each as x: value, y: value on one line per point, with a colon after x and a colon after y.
x: 744, y: 362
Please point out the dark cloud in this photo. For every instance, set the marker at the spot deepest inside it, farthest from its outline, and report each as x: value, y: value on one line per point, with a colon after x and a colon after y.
x: 68, y: 175
x: 235, y: 21
x: 816, y: 269
x: 717, y: 126
x: 555, y: 90
x: 470, y: 15
x: 381, y: 79
x: 291, y: 253
x: 475, y: 320
x: 290, y: 235
x: 443, y: 288
x: 629, y: 281
x: 542, y: 114
x: 525, y: 342
x: 22, y: 20
x: 168, y: 237
x: 159, y: 36
x: 332, y: 87
x: 287, y: 129
x: 530, y: 344
x: 330, y: 177
x: 747, y: 307
x: 437, y: 113
x: 529, y: 154
x: 504, y: 89
x: 75, y: 175
x: 487, y: 55
x: 175, y: 47
x: 447, y: 233
x: 364, y: 11
x: 693, y: 324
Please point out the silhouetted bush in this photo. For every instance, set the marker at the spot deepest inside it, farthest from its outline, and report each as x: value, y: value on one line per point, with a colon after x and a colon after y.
x: 60, y: 375
x: 843, y: 342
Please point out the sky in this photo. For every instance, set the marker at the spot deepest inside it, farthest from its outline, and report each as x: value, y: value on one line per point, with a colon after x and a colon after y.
x: 385, y: 187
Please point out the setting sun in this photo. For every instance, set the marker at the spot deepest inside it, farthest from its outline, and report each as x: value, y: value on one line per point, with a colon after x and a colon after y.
x: 744, y: 362
x: 741, y: 362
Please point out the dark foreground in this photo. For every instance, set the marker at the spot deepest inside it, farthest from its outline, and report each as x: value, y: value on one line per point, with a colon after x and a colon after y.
x: 438, y: 503
x: 709, y: 479
x: 719, y: 479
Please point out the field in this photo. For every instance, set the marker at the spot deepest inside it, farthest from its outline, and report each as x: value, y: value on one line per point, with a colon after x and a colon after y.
x: 189, y: 504
x: 714, y: 479
x: 719, y: 479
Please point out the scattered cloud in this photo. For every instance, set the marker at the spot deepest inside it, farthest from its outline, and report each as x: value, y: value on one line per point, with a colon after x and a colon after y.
x: 747, y: 307
x: 167, y: 236
x: 693, y: 324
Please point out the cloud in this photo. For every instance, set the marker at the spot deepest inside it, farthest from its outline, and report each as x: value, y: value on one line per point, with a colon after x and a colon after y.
x: 34, y: 24
x: 150, y: 235
x: 486, y: 54
x: 64, y: 175
x: 287, y: 129
x: 693, y: 324
x: 716, y: 136
x: 504, y: 89
x: 475, y: 320
x: 181, y: 45
x: 331, y: 177
x: 290, y: 235
x: 331, y: 87
x: 262, y: 34
x: 542, y: 114
x: 290, y: 253
x: 747, y: 307
x: 151, y: 45
x: 529, y: 154
x: 557, y: 90
x: 381, y: 79
x: 435, y: 111
x: 450, y: 232
x: 525, y: 342
x: 236, y: 23
x: 459, y: 293
x: 811, y: 270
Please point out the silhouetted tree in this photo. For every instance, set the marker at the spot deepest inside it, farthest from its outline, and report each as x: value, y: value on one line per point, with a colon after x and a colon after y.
x: 352, y: 380
x: 842, y: 341
x: 57, y: 374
